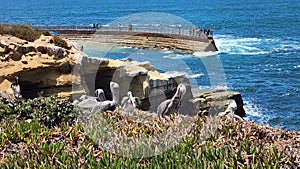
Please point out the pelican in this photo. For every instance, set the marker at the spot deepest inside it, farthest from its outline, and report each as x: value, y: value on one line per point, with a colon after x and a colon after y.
x: 172, y: 105
x: 230, y: 112
x: 99, y: 96
x: 99, y: 104
x: 99, y: 93
x: 16, y: 88
x: 129, y: 103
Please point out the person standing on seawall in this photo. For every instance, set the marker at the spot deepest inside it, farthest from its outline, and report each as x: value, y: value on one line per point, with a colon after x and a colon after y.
x: 210, y: 34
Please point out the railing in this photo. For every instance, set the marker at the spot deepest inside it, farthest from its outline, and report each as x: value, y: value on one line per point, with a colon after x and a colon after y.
x: 152, y: 28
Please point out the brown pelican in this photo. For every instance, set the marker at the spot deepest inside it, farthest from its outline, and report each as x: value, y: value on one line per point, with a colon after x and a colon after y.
x: 172, y: 105
x: 99, y: 96
x: 230, y: 112
x: 99, y: 93
x: 97, y: 104
x: 129, y: 103
x: 16, y: 88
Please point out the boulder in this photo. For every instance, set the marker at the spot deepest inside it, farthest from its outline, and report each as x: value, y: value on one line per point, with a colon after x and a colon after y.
x: 55, y: 51
x: 212, y: 102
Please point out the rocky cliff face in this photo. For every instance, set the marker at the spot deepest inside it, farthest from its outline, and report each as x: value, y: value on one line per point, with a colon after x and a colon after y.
x: 45, y: 69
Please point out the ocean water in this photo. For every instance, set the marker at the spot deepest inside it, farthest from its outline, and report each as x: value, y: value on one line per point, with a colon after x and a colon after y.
x: 258, y: 41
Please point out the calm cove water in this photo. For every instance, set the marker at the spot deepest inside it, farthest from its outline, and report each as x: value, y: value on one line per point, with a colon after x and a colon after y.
x: 259, y: 43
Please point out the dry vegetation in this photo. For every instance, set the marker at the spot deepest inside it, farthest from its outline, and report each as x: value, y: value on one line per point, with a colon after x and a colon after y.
x: 26, y: 32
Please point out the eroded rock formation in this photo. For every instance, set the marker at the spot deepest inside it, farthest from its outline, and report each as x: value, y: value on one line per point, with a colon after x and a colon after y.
x: 45, y: 69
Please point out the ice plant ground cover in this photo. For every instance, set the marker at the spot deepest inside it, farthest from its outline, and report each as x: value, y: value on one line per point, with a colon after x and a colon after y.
x: 44, y: 132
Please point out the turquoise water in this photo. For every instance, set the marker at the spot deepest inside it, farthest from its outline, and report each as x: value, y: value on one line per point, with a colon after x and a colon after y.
x: 259, y: 43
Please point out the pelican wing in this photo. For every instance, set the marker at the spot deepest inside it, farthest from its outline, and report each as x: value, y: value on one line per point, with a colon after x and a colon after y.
x: 87, y: 103
x: 164, y: 108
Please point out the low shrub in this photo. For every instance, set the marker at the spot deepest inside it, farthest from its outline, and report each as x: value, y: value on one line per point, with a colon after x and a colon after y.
x: 22, y: 31
x: 60, y: 42
x: 48, y: 111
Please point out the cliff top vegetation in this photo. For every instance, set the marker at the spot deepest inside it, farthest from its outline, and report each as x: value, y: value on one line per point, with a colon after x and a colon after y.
x: 44, y: 133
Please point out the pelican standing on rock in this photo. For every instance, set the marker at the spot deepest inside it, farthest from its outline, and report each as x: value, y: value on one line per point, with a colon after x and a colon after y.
x: 97, y: 104
x: 16, y: 88
x: 99, y: 96
x: 172, y: 105
x: 129, y: 103
x: 230, y: 112
x: 99, y: 93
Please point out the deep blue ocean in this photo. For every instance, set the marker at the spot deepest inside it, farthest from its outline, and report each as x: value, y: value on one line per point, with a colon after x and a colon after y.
x: 258, y: 41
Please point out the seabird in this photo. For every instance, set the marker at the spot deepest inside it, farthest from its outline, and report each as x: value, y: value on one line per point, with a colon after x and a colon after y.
x: 129, y: 103
x: 99, y: 96
x: 99, y: 93
x: 230, y: 112
x: 97, y: 104
x: 172, y: 105
x: 16, y: 88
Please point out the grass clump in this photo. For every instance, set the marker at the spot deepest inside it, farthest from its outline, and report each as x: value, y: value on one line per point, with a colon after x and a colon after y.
x: 44, y: 133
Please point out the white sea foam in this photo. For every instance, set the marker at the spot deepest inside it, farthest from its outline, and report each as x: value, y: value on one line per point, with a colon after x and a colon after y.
x: 254, y: 46
x: 167, y: 51
x: 298, y: 66
x: 171, y: 55
x: 205, y: 54
x: 126, y: 47
x: 251, y: 109
x: 254, y: 113
x: 176, y: 56
x: 193, y: 76
x: 241, y: 46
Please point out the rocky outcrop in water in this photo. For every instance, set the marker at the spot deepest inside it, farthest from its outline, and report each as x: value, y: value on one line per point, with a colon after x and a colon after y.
x: 212, y: 102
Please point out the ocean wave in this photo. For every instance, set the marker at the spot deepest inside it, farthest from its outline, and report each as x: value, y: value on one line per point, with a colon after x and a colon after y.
x: 286, y: 47
x: 167, y: 51
x: 296, y: 67
x: 254, y: 113
x: 176, y: 56
x: 193, y: 76
x: 205, y: 54
x: 251, y: 109
x: 241, y: 46
x: 254, y: 46
x: 172, y: 55
x: 186, y: 74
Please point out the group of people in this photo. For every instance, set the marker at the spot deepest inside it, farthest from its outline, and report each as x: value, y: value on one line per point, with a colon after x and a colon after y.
x: 197, y: 31
x: 194, y: 31
x: 96, y: 26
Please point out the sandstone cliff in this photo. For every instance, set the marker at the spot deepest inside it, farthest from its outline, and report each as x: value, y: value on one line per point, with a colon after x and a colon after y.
x: 42, y: 67
x: 45, y: 69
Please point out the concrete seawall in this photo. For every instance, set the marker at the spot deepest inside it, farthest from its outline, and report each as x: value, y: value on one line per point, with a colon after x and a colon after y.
x: 144, y: 40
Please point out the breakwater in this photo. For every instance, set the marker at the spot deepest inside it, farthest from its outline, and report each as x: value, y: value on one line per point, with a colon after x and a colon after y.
x: 176, y: 39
